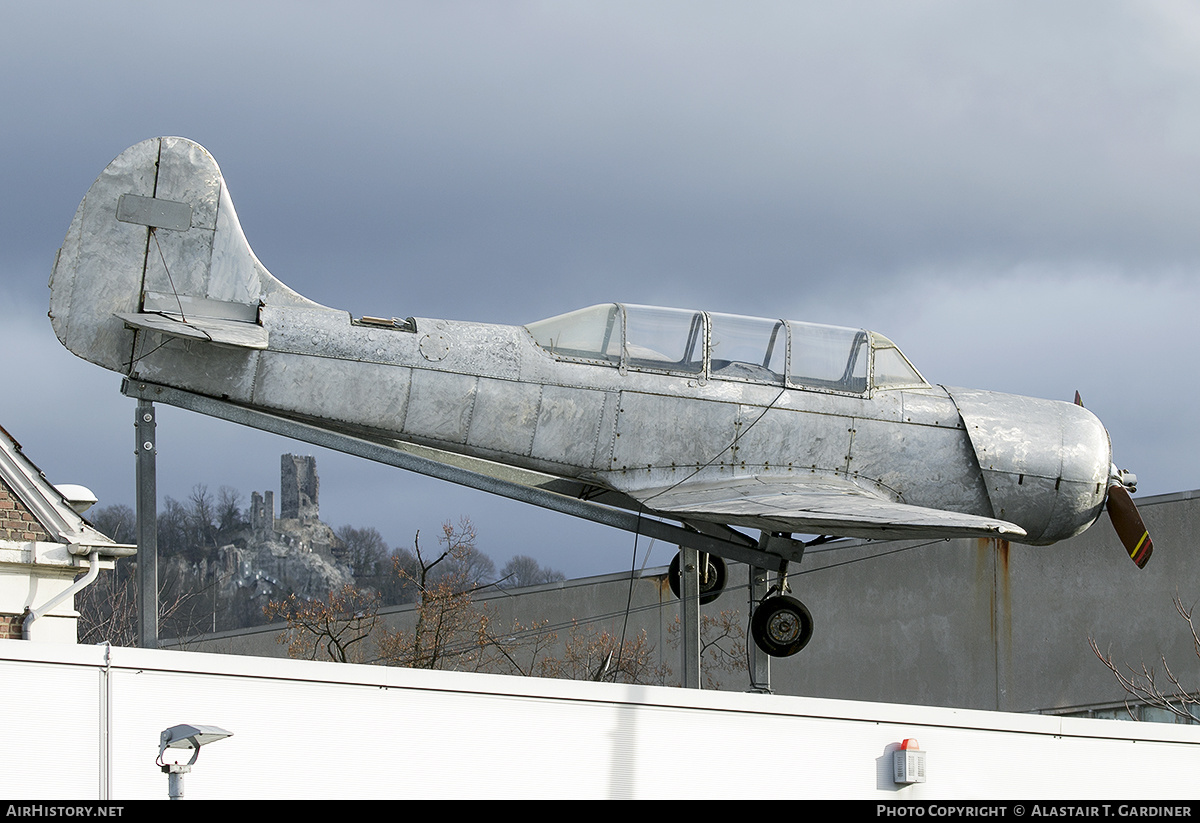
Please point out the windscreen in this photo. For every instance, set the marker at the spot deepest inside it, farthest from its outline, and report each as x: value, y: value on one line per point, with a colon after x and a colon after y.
x: 593, y: 333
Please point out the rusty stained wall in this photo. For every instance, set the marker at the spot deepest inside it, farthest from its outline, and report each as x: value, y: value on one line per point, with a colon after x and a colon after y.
x: 993, y: 625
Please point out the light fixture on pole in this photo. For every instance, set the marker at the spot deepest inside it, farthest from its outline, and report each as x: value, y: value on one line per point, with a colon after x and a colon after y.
x: 184, y: 736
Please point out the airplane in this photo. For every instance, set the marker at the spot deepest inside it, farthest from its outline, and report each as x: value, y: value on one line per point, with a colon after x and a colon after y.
x: 717, y: 422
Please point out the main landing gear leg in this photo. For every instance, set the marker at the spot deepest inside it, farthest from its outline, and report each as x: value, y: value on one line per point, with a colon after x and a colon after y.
x: 781, y: 625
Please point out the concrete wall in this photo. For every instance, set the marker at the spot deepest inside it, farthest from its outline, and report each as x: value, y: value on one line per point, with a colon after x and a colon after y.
x: 962, y: 623
x: 999, y: 626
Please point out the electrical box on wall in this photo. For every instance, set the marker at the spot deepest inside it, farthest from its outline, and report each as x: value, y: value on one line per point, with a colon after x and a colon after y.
x: 909, y: 763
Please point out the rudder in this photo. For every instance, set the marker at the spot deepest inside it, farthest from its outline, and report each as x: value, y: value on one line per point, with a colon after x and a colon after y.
x: 156, y: 245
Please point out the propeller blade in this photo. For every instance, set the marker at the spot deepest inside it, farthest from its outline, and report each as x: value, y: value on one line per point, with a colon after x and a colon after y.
x: 1129, y: 525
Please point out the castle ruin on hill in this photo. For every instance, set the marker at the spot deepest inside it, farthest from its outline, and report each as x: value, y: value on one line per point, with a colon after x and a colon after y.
x: 299, y: 522
x: 273, y: 556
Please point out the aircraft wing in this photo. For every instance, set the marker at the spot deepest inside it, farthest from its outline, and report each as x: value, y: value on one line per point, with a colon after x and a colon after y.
x: 815, y: 505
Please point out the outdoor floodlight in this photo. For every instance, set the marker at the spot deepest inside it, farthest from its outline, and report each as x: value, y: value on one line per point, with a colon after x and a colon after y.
x: 184, y: 736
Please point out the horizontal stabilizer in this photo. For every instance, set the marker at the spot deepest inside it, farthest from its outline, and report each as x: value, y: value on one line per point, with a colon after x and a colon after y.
x: 198, y: 318
x: 209, y: 329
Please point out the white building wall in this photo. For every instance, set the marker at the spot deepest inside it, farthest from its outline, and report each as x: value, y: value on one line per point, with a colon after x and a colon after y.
x: 33, y: 574
x: 84, y: 723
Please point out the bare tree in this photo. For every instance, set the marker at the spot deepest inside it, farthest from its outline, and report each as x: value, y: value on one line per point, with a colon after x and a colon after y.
x: 449, y: 631
x: 108, y: 607
x: 366, y: 551
x: 523, y: 570
x: 202, y: 518
x: 118, y: 521
x: 1148, y: 686
x: 722, y: 645
x: 591, y: 654
x: 519, y: 651
x: 461, y: 563
x: 334, y: 627
x: 173, y: 530
x: 229, y: 510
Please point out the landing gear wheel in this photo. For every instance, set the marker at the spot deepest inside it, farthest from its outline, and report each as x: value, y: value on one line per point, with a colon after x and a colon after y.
x: 781, y: 626
x: 711, y: 584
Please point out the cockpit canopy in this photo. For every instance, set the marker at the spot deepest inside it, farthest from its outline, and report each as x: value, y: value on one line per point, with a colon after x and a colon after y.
x: 728, y: 347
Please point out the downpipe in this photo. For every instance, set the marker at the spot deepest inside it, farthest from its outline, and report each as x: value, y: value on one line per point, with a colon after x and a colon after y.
x: 32, y: 615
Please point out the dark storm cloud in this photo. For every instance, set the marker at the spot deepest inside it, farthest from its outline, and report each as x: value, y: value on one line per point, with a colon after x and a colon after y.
x: 1006, y: 189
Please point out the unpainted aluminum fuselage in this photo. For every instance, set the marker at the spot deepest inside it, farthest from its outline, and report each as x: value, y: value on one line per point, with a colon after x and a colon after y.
x: 493, y: 392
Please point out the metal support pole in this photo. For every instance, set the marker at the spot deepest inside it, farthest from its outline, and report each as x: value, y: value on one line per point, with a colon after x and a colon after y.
x: 175, y: 780
x: 147, y: 527
x: 759, y: 661
x: 689, y: 614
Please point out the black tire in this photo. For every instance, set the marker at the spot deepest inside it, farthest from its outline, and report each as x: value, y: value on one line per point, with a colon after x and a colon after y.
x: 781, y: 626
x: 710, y: 590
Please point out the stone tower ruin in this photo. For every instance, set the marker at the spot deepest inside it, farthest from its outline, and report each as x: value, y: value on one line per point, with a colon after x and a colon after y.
x: 299, y: 488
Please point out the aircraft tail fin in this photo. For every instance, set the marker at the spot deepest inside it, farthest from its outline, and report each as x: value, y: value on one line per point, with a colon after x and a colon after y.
x: 155, y: 246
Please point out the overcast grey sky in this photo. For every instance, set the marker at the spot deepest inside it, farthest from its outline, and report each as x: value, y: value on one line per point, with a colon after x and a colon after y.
x: 1006, y: 189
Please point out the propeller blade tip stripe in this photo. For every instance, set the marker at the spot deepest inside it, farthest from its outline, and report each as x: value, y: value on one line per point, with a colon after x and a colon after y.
x: 1141, y: 552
